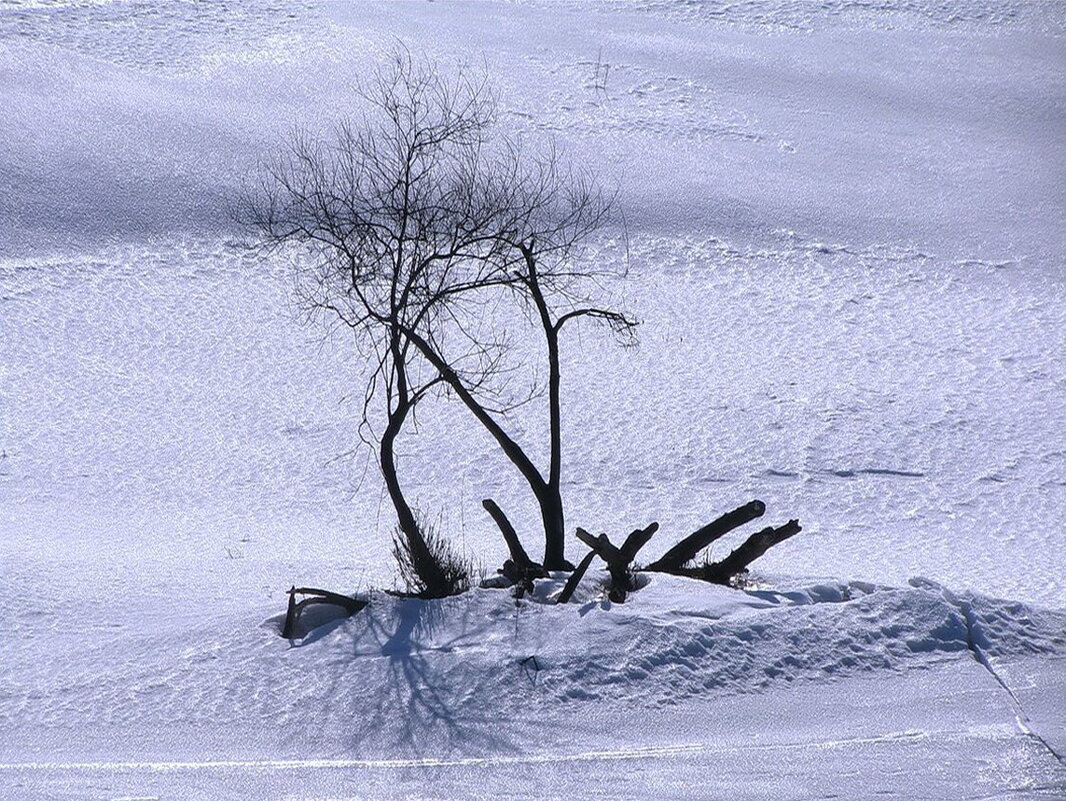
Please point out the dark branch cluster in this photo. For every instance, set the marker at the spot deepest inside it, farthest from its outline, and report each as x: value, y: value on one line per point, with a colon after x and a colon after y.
x: 679, y: 559
x: 419, y: 218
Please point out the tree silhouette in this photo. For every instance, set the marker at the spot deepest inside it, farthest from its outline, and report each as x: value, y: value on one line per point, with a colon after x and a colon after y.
x: 415, y: 217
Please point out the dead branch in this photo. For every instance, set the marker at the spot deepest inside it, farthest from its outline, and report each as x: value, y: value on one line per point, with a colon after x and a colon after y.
x: 752, y: 548
x: 686, y: 550
x: 348, y: 603
x: 519, y: 570
x: 514, y: 545
x: 575, y: 578
x: 618, y: 559
x: 722, y: 572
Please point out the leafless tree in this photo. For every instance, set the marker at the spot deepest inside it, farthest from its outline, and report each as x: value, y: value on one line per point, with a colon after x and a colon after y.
x: 415, y: 218
x: 555, y: 209
x: 399, y: 227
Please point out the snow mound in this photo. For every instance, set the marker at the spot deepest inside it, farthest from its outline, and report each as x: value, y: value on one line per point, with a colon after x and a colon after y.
x: 915, y: 676
x: 423, y: 662
x: 677, y: 638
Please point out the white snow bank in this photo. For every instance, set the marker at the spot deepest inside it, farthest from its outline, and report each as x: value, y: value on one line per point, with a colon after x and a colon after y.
x: 682, y: 671
x: 673, y: 640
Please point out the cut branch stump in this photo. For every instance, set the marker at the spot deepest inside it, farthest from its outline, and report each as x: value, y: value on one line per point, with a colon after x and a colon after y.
x: 677, y: 560
x: 575, y: 578
x: 751, y: 549
x: 686, y: 550
x: 618, y: 559
x: 520, y: 570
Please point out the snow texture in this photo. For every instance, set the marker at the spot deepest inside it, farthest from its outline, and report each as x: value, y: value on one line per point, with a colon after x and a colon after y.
x: 845, y: 227
x: 685, y: 676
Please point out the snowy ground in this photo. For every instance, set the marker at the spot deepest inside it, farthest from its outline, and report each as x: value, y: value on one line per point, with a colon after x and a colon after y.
x: 847, y: 227
x: 822, y: 690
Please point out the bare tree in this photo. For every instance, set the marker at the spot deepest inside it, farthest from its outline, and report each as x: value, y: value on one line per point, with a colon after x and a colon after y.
x: 555, y: 209
x: 545, y: 211
x: 564, y: 208
x: 414, y: 218
x: 400, y: 227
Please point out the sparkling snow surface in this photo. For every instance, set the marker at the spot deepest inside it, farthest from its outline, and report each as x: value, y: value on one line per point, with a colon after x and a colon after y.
x: 846, y: 226
x: 686, y: 691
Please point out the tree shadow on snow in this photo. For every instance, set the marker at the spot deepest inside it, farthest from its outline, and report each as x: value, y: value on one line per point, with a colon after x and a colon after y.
x: 425, y: 706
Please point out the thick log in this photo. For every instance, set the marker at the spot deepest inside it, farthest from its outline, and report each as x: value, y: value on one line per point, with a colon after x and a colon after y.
x: 752, y: 548
x: 575, y: 578
x: 514, y: 545
x: 686, y: 550
x: 618, y: 559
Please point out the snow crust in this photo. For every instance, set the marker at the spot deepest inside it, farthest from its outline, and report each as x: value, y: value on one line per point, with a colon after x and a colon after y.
x: 479, y: 692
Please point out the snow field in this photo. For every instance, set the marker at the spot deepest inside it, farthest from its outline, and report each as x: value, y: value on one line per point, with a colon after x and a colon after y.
x: 845, y: 234
x: 173, y: 394
x: 445, y: 691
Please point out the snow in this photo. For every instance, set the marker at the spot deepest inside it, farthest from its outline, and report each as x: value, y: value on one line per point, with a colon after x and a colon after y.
x: 845, y: 231
x: 769, y: 692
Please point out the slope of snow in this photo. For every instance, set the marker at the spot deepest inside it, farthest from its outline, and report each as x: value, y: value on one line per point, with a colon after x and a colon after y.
x: 771, y: 691
x: 172, y: 394
x: 845, y: 224
x: 134, y: 119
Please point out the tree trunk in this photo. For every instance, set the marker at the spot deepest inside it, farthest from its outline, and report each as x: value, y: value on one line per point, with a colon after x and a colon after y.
x: 422, y: 559
x: 511, y: 449
x: 551, y: 502
x: 551, y: 511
